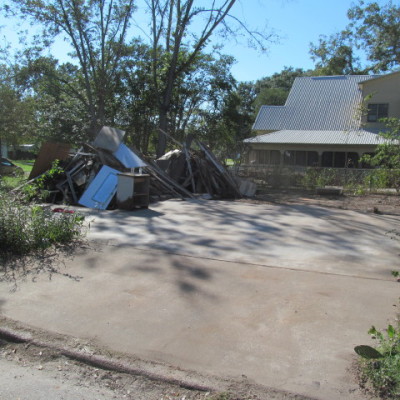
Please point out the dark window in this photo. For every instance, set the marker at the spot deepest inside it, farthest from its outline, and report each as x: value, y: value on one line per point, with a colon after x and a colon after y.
x: 301, y: 158
x: 289, y: 157
x: 262, y: 156
x: 377, y: 111
x: 339, y: 159
x: 275, y: 157
x: 352, y: 160
x: 327, y: 159
x: 312, y: 158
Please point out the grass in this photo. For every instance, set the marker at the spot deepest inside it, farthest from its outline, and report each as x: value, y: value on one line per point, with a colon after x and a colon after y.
x: 26, y: 165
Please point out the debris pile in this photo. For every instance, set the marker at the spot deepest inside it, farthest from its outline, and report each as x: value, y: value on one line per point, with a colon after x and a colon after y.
x: 109, y: 174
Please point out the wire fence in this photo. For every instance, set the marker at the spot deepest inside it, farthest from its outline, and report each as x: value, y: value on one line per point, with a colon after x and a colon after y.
x: 313, y: 177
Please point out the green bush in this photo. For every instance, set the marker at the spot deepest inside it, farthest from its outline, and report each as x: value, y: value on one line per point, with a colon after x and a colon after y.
x: 26, y: 229
x: 380, y: 365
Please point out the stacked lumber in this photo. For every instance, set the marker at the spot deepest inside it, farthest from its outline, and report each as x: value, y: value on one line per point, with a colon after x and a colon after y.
x: 89, y: 176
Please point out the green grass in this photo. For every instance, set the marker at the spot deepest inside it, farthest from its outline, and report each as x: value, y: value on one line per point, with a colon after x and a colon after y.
x: 26, y: 165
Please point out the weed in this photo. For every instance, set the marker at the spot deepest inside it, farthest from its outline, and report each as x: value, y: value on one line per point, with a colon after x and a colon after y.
x: 27, y: 229
x: 380, y: 365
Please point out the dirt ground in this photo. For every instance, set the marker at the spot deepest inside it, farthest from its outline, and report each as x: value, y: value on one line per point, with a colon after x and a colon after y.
x: 371, y: 203
x: 45, y: 358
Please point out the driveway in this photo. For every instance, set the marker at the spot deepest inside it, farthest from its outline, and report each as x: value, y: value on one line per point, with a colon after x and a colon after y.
x: 276, y: 295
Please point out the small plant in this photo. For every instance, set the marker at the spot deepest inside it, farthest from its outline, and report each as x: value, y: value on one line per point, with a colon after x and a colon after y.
x: 27, y: 229
x: 380, y: 365
x: 39, y: 188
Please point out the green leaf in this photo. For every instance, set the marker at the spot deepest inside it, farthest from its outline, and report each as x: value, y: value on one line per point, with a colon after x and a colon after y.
x: 367, y: 352
x: 391, y: 331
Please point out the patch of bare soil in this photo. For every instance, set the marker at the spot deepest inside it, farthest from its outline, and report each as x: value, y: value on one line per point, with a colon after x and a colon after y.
x: 62, y: 359
x: 370, y: 203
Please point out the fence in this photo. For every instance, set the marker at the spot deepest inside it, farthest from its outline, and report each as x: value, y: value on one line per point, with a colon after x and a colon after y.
x: 312, y: 177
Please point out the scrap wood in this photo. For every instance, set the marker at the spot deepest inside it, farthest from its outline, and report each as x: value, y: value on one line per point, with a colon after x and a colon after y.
x: 167, y: 179
x: 224, y: 173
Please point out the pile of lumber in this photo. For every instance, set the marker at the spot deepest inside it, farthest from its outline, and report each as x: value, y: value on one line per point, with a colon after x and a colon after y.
x: 89, y: 176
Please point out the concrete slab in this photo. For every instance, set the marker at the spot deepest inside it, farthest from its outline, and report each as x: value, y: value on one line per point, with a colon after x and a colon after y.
x: 298, y: 237
x: 280, y: 295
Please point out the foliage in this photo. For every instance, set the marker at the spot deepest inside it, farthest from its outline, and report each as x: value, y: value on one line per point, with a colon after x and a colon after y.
x: 373, y: 28
x: 334, y: 55
x: 17, y: 110
x: 380, y: 365
x: 25, y: 230
x: 274, y: 90
x: 376, y: 29
x: 96, y: 32
x: 38, y: 190
x: 386, y: 157
x: 180, y: 32
x: 319, y: 177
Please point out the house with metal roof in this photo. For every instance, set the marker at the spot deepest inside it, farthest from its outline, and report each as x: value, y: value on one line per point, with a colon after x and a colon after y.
x: 328, y: 121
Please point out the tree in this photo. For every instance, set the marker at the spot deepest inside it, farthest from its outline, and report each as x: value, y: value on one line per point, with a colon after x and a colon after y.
x: 377, y: 30
x: 374, y: 29
x: 17, y: 110
x: 274, y: 90
x: 334, y: 55
x: 96, y: 31
x: 176, y: 44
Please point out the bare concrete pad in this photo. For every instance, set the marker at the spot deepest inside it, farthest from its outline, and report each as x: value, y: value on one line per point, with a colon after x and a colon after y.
x: 298, y: 237
x: 288, y: 329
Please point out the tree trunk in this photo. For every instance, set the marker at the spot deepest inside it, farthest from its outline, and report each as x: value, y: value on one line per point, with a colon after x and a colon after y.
x: 163, y: 125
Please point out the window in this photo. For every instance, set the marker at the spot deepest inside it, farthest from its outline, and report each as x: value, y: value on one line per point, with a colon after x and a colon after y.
x: 275, y: 157
x: 289, y: 157
x: 377, y: 111
x: 327, y: 159
x: 312, y: 159
x: 301, y: 158
x: 352, y: 160
x: 261, y: 157
x: 339, y: 159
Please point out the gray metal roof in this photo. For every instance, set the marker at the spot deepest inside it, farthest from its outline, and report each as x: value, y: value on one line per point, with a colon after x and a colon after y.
x: 335, y: 137
x: 316, y: 103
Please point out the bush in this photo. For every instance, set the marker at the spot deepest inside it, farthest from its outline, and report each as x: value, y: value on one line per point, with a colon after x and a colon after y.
x: 380, y: 365
x: 26, y: 229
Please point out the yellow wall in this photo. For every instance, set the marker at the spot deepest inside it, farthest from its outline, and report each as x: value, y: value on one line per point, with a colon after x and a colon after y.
x: 385, y: 89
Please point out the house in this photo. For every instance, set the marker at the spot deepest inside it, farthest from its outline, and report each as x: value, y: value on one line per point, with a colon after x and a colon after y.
x: 328, y: 121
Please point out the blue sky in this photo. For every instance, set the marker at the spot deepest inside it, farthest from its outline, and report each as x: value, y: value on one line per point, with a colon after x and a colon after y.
x: 297, y: 22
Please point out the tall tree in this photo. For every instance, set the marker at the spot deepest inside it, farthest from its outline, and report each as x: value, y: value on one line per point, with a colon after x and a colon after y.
x: 377, y: 31
x: 176, y: 44
x: 17, y: 110
x: 334, y: 55
x: 374, y: 29
x: 96, y: 31
x: 274, y: 90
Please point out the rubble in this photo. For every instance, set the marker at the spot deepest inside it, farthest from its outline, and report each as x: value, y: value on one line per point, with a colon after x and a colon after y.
x: 109, y: 174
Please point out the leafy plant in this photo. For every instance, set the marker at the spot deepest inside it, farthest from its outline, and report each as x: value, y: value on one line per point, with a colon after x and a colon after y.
x: 27, y: 229
x: 39, y: 188
x: 380, y: 365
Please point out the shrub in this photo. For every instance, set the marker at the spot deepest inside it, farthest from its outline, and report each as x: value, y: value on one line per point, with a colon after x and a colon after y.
x: 380, y: 365
x: 26, y: 229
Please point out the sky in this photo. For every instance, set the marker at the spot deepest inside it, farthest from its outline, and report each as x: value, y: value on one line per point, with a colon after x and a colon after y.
x: 296, y: 22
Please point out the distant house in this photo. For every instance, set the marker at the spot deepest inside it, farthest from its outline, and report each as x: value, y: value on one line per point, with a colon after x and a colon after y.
x: 328, y: 121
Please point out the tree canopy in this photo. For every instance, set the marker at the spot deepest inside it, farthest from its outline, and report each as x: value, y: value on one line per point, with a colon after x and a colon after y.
x: 373, y: 29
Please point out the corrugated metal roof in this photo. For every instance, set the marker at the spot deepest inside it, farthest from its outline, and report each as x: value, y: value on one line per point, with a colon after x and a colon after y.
x: 316, y: 103
x: 335, y: 137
